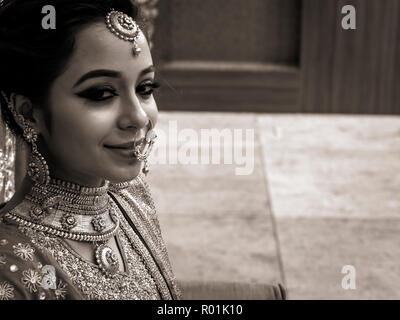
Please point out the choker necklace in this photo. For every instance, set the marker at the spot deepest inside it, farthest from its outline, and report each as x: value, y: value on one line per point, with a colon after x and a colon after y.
x: 74, y: 212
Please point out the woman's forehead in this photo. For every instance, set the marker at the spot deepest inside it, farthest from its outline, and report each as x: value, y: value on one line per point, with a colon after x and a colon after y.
x: 97, y: 48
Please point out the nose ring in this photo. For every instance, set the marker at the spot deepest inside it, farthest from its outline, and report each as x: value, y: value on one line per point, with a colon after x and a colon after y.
x: 149, y: 141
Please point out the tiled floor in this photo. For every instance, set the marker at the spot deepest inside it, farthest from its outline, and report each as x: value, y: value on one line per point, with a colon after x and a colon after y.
x: 323, y: 194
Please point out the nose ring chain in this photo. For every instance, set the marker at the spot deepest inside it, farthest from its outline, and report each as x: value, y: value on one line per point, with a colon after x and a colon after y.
x: 142, y: 155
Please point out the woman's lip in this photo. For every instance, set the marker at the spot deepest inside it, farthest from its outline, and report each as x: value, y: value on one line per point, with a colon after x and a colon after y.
x: 119, y: 148
x: 128, y: 145
x: 124, y: 152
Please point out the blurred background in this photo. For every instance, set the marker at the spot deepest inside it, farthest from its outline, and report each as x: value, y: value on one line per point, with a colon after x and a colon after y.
x: 324, y: 104
x: 278, y: 56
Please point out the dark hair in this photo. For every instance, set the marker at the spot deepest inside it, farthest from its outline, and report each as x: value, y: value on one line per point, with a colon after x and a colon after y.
x: 32, y: 57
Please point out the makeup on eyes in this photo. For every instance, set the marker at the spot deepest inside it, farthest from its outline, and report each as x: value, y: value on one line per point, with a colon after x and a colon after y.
x: 97, y: 92
x: 149, y: 85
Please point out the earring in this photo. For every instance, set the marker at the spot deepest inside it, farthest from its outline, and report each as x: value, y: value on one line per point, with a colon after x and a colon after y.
x: 38, y: 169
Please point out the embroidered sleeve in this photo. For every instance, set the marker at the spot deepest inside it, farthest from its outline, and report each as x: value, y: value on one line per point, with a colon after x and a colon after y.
x: 23, y: 276
x: 18, y: 278
x: 7, y: 291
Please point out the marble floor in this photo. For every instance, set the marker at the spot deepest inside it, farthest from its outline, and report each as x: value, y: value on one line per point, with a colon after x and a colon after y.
x: 322, y: 194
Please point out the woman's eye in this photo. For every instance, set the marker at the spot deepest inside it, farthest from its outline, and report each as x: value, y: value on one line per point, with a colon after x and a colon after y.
x: 147, y: 89
x: 98, y: 94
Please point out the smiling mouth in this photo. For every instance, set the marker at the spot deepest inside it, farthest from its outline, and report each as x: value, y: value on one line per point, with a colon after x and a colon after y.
x: 127, y: 150
x: 139, y: 149
x: 129, y: 145
x: 124, y: 152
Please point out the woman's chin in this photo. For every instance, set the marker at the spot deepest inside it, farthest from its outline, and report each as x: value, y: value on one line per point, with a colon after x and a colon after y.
x: 123, y: 175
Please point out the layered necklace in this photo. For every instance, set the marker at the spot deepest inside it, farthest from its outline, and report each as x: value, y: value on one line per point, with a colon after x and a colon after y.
x: 74, y: 212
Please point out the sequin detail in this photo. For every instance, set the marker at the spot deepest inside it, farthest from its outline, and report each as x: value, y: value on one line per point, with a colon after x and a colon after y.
x: 37, y: 213
x: 148, y: 274
x: 31, y: 279
x: 61, y: 290
x: 141, y: 210
x: 14, y: 268
x: 24, y: 251
x: 68, y: 221
x: 99, y: 223
x: 135, y: 284
x: 6, y: 291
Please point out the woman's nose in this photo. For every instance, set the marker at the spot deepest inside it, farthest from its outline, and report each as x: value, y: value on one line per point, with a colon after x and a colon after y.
x: 132, y: 114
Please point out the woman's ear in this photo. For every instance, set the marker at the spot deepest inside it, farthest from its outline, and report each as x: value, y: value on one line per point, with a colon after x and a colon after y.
x: 24, y: 107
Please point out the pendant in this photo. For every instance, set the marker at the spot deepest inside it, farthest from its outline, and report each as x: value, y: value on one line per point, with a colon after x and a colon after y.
x: 136, y: 50
x: 107, y: 260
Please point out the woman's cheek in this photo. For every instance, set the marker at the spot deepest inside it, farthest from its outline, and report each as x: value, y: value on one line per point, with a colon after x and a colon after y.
x: 152, y: 111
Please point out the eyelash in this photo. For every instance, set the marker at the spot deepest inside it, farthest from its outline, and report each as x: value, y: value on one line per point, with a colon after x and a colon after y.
x: 148, y: 88
x: 96, y: 93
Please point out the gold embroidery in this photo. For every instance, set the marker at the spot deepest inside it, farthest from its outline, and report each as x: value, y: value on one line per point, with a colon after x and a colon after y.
x: 143, y: 215
x: 31, y: 279
x: 6, y: 291
x: 24, y: 251
x: 3, y: 259
x: 145, y: 277
x: 135, y: 284
x: 61, y: 290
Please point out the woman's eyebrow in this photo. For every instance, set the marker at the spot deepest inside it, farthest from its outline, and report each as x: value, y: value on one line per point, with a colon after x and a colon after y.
x: 147, y: 70
x: 97, y: 74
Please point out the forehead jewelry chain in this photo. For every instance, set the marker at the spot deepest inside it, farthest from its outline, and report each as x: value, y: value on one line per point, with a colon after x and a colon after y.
x: 124, y: 27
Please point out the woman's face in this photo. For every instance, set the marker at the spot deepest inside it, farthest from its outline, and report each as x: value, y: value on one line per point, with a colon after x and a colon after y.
x: 103, y: 99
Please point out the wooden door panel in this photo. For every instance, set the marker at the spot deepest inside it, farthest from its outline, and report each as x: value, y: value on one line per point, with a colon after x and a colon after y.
x: 228, y: 55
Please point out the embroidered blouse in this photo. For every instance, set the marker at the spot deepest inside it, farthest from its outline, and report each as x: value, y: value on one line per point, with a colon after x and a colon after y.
x: 36, y: 265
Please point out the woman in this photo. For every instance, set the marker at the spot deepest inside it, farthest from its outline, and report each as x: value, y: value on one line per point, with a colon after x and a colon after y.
x: 83, y: 224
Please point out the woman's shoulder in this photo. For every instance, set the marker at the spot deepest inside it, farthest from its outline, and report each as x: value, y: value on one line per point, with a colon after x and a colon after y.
x: 15, y: 243
x: 20, y: 273
x: 26, y: 271
x: 137, y: 188
x: 135, y: 196
x: 15, y: 239
x: 24, y: 265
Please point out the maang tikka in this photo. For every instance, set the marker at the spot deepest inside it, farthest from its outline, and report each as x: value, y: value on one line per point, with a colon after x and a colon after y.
x: 38, y: 169
x: 124, y: 27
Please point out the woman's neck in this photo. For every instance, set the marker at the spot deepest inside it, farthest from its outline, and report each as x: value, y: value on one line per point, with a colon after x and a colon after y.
x: 77, y: 179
